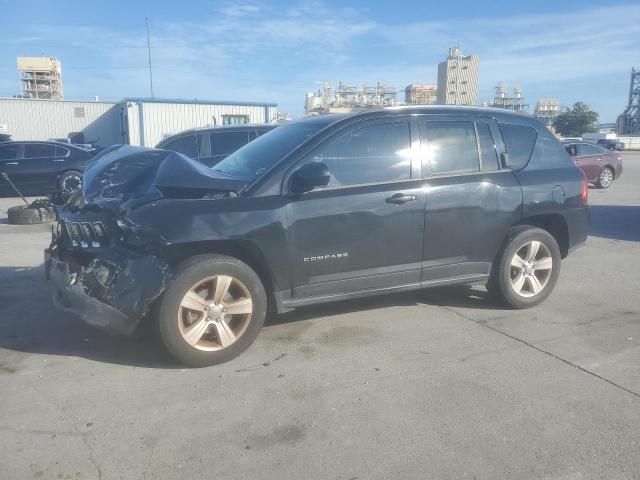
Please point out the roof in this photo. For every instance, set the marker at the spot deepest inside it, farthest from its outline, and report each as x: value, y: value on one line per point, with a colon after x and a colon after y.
x: 211, y: 128
x: 499, y: 113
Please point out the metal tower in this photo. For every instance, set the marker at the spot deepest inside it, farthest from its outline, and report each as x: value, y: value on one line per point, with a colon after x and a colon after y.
x: 630, y: 118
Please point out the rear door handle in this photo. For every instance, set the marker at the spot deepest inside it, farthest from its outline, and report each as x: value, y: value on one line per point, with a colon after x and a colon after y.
x: 400, y: 198
x: 12, y: 163
x: 58, y: 160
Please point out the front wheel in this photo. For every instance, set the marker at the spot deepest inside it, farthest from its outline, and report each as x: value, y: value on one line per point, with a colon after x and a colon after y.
x: 527, y: 270
x: 212, y: 311
x: 605, y: 179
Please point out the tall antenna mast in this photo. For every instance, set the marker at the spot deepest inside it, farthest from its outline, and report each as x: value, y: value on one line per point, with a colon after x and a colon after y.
x: 149, y: 55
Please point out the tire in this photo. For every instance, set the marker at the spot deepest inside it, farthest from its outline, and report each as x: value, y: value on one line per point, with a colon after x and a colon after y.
x: 522, y: 286
x: 69, y: 182
x: 199, y: 332
x: 30, y: 215
x: 605, y: 179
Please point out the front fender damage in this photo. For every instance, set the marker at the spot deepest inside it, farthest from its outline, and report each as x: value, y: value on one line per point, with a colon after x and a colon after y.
x: 113, y: 292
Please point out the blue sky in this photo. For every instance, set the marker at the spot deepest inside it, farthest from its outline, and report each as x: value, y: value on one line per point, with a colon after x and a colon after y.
x: 276, y: 50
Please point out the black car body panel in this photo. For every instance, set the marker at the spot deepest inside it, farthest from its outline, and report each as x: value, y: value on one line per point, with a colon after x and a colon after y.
x: 36, y: 167
x: 422, y: 228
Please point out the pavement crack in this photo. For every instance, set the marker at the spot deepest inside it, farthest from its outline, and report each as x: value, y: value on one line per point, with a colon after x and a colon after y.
x: 542, y: 350
x: 261, y: 365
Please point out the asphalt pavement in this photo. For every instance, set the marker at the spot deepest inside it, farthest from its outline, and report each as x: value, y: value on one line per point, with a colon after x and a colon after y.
x: 438, y: 384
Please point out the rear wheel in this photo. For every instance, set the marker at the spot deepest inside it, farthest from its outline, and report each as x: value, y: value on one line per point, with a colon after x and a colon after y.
x: 212, y: 312
x: 606, y: 178
x: 527, y: 270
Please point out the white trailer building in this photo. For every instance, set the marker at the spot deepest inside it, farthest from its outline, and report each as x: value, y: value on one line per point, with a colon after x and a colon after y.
x: 136, y: 121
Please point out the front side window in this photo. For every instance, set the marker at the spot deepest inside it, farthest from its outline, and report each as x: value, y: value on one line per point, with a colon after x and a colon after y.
x: 39, y: 150
x: 8, y: 152
x: 372, y: 154
x: 225, y: 143
x: 450, y: 148
x: 235, y: 119
x: 519, y: 142
x: 487, y: 148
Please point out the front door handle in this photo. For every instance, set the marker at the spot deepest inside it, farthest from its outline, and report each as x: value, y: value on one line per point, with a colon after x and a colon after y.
x: 12, y: 163
x: 400, y: 198
x: 58, y: 160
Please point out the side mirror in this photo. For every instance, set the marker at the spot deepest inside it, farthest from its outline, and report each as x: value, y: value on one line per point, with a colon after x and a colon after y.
x: 308, y: 177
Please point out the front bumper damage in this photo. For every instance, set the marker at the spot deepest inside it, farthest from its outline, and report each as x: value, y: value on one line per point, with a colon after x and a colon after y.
x: 114, y: 291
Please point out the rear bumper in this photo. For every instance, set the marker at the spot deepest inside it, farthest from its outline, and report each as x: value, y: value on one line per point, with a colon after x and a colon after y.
x: 578, y: 221
x: 113, y: 292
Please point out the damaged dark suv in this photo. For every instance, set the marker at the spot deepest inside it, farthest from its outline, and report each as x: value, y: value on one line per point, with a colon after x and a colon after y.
x: 327, y: 208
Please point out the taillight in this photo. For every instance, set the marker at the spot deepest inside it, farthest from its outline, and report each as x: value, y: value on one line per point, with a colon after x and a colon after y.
x: 585, y: 189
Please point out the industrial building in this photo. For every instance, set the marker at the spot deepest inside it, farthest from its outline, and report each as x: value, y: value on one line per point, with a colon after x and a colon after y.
x: 348, y: 98
x: 458, y: 79
x: 508, y: 101
x: 629, y: 121
x: 136, y: 121
x: 40, y: 77
x: 547, y: 109
x: 421, y: 94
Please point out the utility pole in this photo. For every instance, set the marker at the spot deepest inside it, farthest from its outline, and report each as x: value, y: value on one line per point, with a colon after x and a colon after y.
x: 149, y: 55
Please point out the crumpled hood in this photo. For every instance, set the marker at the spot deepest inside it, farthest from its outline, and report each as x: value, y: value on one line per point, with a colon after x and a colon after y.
x: 125, y: 172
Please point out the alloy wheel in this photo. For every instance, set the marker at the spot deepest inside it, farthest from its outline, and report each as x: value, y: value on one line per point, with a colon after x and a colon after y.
x: 606, y: 177
x: 214, y: 313
x: 71, y: 183
x: 531, y: 268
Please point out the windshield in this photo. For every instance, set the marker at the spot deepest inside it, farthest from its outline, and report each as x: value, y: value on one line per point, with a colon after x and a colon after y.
x: 255, y: 158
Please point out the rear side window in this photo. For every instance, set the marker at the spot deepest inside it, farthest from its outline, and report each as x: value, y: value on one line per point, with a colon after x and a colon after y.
x: 584, y: 149
x: 549, y: 153
x: 61, y: 151
x: 372, y: 154
x: 488, y: 151
x: 519, y: 142
x: 39, y: 150
x: 8, y: 152
x: 451, y: 148
x: 225, y: 143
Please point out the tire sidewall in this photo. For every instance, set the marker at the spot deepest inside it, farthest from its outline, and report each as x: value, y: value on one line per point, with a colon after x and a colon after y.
x: 191, y: 272
x: 517, y: 241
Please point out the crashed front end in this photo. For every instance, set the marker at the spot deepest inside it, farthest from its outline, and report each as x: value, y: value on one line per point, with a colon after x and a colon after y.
x: 108, y: 274
x: 106, y: 268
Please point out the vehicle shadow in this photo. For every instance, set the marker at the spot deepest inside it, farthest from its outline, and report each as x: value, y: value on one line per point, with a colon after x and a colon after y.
x: 617, y: 222
x: 30, y: 324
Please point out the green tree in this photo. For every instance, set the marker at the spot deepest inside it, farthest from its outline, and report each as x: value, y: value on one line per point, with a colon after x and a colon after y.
x: 575, y: 121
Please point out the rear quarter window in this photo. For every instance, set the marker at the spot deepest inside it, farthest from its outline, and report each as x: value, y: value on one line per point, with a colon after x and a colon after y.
x: 549, y: 153
x: 519, y: 142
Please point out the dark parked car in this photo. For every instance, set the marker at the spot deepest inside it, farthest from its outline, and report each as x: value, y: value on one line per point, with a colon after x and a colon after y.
x: 328, y: 208
x: 212, y: 144
x: 41, y: 168
x: 600, y: 166
x: 611, y: 144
